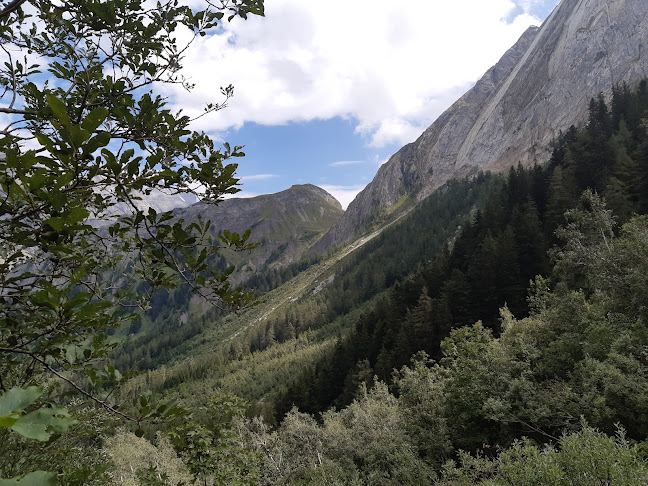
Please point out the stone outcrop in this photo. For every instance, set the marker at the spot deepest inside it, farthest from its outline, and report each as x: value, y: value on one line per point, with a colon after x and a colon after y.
x: 540, y: 86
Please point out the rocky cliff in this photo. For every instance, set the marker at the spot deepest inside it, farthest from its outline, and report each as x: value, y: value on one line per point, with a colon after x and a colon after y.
x: 540, y: 86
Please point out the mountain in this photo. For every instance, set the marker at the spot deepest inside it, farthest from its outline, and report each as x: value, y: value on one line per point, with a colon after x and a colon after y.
x: 286, y: 223
x: 157, y: 200
x: 540, y: 87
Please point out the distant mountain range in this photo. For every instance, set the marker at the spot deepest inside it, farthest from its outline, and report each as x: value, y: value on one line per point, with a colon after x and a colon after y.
x: 158, y: 200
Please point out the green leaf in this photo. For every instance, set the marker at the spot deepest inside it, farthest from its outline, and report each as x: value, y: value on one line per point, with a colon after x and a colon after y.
x: 100, y: 140
x: 8, y: 420
x: 42, y: 423
x: 18, y: 399
x: 95, y: 118
x: 37, y: 478
x: 65, y: 179
x: 133, y: 167
x: 70, y: 355
x: 45, y: 141
x: 57, y: 224
x: 77, y: 215
x: 38, y: 178
x: 59, y: 109
x: 78, y: 135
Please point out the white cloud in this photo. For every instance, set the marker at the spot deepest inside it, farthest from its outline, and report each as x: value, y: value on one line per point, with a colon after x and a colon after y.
x: 257, y: 177
x: 392, y: 69
x: 344, y: 194
x: 346, y: 163
x: 528, y: 5
x: 240, y: 195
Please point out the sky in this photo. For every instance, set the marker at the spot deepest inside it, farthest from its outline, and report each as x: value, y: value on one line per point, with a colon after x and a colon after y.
x: 325, y: 94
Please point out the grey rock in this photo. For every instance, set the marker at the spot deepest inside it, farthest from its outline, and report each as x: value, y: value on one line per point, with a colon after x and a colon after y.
x: 541, y: 86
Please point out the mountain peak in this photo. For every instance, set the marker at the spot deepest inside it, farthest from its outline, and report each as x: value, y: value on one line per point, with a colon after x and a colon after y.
x: 318, y: 192
x: 287, y: 223
x: 539, y: 87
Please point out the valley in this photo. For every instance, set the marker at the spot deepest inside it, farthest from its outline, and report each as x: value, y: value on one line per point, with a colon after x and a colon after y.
x: 476, y: 316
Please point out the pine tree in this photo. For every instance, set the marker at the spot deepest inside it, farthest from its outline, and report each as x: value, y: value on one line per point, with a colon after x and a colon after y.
x: 457, y: 292
x: 419, y: 320
x: 511, y: 289
x: 530, y: 241
x: 560, y: 198
x: 624, y: 188
x: 482, y: 273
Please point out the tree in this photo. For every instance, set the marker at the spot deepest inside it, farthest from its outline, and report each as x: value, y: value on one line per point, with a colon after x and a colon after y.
x: 214, y: 452
x: 87, y: 135
x: 583, y: 458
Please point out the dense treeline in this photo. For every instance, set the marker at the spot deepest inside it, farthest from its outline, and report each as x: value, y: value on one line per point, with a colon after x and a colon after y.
x: 270, y: 277
x: 155, y: 339
x: 572, y: 374
x: 387, y: 259
x: 550, y: 386
x: 496, y: 254
x: 375, y: 267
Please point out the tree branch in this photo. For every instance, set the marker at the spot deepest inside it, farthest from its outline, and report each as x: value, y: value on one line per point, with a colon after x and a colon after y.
x: 13, y: 77
x: 85, y: 393
x: 12, y: 7
x: 99, y: 402
x: 14, y: 111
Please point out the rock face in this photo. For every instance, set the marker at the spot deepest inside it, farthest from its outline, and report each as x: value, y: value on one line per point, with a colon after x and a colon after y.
x: 286, y: 223
x: 540, y: 86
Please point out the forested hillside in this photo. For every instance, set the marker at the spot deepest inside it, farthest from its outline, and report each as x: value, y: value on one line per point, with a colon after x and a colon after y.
x: 459, y: 278
x: 497, y: 254
x: 290, y: 316
x: 576, y: 361
x: 485, y: 330
x: 496, y: 334
x: 514, y: 354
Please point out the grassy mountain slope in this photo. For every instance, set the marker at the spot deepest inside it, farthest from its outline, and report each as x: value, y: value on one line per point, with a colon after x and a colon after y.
x: 286, y: 223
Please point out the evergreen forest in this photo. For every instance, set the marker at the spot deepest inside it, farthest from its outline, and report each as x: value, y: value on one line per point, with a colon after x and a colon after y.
x: 512, y: 350
x: 496, y: 333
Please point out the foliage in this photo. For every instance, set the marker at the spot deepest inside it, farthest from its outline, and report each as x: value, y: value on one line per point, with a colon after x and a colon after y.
x: 40, y: 424
x: 577, y: 359
x: 37, y: 478
x: 137, y: 460
x: 75, y: 456
x: 364, y: 444
x: 211, y: 446
x: 516, y: 395
x: 86, y: 138
x: 582, y: 458
x: 504, y: 246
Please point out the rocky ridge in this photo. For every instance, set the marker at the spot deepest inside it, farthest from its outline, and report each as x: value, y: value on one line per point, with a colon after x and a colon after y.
x: 540, y: 86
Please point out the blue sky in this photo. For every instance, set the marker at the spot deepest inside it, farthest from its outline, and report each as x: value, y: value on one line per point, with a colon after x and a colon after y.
x: 325, y: 96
